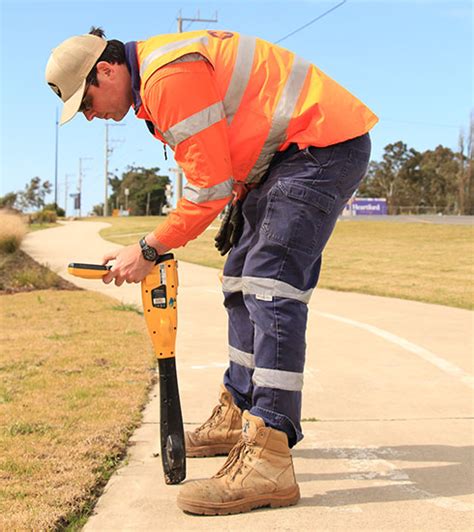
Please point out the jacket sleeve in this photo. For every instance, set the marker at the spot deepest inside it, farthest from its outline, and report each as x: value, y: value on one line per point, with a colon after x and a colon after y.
x: 183, y: 102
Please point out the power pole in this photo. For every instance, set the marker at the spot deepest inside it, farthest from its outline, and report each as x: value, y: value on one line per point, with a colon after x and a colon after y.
x: 79, y: 181
x: 56, y: 163
x: 106, y: 171
x: 181, y: 19
x: 108, y: 152
x: 179, y: 182
x: 66, y: 190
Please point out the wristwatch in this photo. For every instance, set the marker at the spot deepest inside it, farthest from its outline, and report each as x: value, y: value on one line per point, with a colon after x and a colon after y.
x: 148, y: 252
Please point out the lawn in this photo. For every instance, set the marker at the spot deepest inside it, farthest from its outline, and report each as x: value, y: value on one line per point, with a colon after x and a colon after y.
x: 419, y: 261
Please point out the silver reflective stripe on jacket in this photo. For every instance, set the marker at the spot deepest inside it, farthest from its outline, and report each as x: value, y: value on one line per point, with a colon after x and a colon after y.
x: 201, y: 195
x: 265, y: 289
x: 277, y: 378
x: 241, y: 357
x: 194, y: 124
x: 169, y: 47
x: 240, y: 75
x: 281, y: 118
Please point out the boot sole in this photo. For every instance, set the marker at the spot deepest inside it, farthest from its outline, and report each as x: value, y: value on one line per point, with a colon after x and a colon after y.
x: 279, y: 499
x: 209, y: 450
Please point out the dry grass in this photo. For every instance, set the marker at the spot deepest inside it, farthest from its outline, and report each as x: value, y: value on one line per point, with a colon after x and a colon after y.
x: 19, y: 273
x: 423, y: 262
x: 12, y: 231
x: 426, y: 262
x: 74, y: 375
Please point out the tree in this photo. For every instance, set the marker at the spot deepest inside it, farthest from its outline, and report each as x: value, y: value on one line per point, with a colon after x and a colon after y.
x: 395, y: 178
x: 466, y: 170
x: 439, y: 170
x: 146, y: 191
x: 34, y: 194
x: 8, y: 201
x: 98, y: 210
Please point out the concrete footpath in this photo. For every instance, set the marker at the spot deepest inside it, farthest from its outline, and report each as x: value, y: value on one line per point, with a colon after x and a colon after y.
x: 388, y: 409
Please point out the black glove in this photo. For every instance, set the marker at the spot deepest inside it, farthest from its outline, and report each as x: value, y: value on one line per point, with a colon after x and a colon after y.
x: 230, y: 229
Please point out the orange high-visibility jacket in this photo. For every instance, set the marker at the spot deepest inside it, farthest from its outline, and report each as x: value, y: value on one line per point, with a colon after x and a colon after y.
x: 226, y: 103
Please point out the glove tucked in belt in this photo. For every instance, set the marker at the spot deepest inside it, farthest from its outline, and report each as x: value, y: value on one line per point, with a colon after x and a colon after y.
x: 231, y: 227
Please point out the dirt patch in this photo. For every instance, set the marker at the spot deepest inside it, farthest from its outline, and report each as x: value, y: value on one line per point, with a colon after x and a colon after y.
x: 20, y: 273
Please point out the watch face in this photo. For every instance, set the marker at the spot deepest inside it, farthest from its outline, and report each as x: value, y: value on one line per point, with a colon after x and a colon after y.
x: 149, y: 253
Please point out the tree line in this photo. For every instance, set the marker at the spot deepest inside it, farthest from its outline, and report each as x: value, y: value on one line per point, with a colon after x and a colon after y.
x: 433, y: 181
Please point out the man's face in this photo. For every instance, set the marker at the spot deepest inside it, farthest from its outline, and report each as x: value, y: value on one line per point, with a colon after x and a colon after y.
x: 113, y: 97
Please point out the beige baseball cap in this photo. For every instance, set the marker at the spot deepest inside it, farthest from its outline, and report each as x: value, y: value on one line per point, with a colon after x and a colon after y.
x: 68, y: 67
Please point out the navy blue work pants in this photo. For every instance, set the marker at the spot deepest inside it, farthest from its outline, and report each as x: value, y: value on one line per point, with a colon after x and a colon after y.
x: 271, y: 272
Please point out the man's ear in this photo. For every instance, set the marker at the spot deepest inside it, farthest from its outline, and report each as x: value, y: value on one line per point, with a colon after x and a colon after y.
x: 104, y: 68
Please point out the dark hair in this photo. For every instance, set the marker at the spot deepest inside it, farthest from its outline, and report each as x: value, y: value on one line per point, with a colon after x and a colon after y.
x: 114, y: 53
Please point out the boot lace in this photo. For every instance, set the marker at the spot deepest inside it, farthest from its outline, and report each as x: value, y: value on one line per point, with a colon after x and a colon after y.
x: 213, y: 419
x: 236, y: 459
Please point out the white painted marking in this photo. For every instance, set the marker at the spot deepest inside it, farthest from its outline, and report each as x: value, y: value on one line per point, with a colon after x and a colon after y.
x: 370, y: 463
x: 423, y: 353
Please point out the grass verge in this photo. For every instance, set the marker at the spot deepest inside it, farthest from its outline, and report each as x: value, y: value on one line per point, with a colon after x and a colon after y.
x: 20, y: 273
x: 432, y: 263
x: 74, y: 376
x: 40, y: 226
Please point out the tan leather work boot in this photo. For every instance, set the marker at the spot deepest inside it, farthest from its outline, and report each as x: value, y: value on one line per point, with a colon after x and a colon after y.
x: 220, y: 432
x: 258, y: 472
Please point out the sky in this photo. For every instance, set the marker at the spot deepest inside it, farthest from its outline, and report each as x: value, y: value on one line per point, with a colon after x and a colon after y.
x: 410, y: 61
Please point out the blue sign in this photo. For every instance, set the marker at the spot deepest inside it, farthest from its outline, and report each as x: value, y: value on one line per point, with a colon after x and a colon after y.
x: 368, y: 206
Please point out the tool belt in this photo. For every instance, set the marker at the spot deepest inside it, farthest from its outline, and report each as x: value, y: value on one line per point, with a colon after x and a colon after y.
x: 233, y: 222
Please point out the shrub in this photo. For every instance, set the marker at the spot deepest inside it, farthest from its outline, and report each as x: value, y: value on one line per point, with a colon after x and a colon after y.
x: 44, y: 217
x: 56, y: 208
x: 12, y: 231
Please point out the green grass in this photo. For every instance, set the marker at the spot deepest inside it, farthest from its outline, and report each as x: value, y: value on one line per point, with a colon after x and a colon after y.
x: 39, y: 226
x: 425, y: 262
x: 128, y: 307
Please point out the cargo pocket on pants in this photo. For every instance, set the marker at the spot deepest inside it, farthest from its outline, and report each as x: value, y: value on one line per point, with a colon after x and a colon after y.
x: 294, y: 215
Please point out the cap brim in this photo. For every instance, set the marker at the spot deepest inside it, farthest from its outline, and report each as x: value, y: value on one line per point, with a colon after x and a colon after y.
x: 71, y: 107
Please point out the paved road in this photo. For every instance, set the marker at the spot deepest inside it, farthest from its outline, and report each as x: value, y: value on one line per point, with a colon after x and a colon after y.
x: 387, y: 401
x: 412, y: 218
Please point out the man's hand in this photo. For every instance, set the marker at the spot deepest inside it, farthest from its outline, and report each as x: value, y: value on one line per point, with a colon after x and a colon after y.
x: 130, y: 266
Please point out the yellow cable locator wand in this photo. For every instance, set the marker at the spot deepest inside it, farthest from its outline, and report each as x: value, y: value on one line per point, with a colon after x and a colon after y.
x: 159, y: 293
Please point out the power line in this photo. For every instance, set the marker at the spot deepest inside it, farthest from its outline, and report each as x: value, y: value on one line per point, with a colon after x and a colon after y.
x: 311, y: 21
x: 412, y: 123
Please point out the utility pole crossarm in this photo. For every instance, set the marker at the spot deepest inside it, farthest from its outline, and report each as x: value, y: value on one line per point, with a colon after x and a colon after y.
x: 181, y: 19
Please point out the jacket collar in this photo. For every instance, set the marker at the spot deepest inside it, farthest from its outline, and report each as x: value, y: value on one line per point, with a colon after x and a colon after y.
x: 132, y: 64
